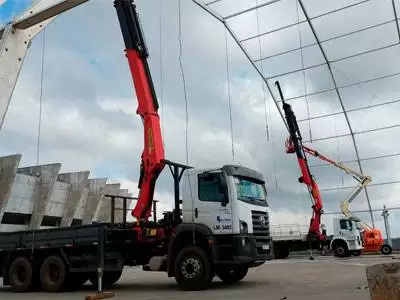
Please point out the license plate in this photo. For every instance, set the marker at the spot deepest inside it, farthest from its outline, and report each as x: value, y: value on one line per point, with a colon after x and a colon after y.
x: 265, y: 247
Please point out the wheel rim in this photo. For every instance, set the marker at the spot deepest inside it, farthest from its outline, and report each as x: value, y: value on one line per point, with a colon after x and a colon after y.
x: 191, y: 268
x: 385, y: 249
x: 340, y: 250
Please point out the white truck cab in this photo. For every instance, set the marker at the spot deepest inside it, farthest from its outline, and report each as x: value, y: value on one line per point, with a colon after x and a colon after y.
x: 347, y: 238
x: 231, y: 202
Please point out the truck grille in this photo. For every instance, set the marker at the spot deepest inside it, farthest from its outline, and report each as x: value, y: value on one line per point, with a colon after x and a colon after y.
x: 260, y: 231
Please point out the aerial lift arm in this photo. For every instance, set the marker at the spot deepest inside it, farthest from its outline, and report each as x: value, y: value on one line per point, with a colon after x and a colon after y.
x: 306, y: 178
x: 153, y: 153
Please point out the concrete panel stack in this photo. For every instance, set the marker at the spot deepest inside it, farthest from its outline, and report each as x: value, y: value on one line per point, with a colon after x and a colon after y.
x: 37, y: 197
x: 95, y: 190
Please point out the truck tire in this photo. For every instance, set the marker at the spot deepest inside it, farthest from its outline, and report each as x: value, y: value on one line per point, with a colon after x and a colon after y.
x: 109, y: 278
x: 192, y: 269
x: 20, y: 274
x: 340, y: 250
x: 231, y: 274
x: 281, y: 251
x: 386, y: 249
x: 53, y: 274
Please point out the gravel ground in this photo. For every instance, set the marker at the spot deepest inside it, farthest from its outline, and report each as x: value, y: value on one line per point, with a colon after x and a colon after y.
x: 293, y: 279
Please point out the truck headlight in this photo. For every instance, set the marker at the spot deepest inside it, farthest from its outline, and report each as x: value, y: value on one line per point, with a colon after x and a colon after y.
x: 243, y: 227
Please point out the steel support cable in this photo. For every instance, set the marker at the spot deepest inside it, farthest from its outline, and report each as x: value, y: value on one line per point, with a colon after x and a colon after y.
x: 233, y: 35
x: 304, y: 71
x: 354, y: 133
x: 262, y: 71
x: 363, y: 211
x: 161, y: 74
x: 343, y: 86
x: 352, y: 187
x: 184, y: 82
x: 395, y: 17
x: 327, y: 40
x: 250, y: 9
x: 361, y: 159
x: 186, y: 114
x: 335, y: 60
x: 350, y: 110
x: 229, y: 95
x: 340, y: 100
x: 41, y: 97
x: 212, y: 2
x: 305, y: 21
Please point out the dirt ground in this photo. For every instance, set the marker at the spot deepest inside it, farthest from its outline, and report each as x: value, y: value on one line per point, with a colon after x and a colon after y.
x: 293, y: 279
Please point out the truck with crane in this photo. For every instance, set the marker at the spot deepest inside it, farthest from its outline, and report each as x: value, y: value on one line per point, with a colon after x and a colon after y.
x: 220, y: 227
x: 346, y: 239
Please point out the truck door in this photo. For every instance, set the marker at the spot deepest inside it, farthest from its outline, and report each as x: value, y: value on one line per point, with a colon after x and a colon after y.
x: 212, y: 206
x: 346, y: 230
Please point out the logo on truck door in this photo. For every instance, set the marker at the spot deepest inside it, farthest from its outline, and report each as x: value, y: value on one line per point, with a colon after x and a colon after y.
x: 226, y: 226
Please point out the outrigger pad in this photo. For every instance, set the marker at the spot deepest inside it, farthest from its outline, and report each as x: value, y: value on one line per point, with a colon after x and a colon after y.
x: 101, y: 295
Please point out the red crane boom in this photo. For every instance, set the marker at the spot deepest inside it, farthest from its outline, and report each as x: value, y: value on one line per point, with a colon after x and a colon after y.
x: 294, y: 144
x: 152, y: 158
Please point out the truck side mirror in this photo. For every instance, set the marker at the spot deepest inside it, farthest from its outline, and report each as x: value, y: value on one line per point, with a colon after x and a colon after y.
x: 223, y: 188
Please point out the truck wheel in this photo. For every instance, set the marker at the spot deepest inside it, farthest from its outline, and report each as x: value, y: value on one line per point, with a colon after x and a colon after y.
x: 341, y: 251
x: 20, y: 275
x: 53, y: 274
x: 109, y: 278
x: 386, y: 249
x: 231, y: 274
x: 193, y: 269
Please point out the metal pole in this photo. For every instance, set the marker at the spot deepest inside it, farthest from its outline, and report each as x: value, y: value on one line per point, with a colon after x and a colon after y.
x: 176, y: 188
x: 155, y: 211
x: 385, y: 215
x: 124, y: 211
x: 101, y: 260
x: 112, y: 209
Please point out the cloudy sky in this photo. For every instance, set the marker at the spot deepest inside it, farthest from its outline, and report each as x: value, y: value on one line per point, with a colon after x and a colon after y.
x: 89, y: 120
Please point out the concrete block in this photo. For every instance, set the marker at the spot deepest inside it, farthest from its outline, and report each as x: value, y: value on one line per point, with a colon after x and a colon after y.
x: 8, y: 171
x: 47, y: 176
x: 384, y: 281
x: 103, y: 212
x: 77, y: 182
x: 96, y: 189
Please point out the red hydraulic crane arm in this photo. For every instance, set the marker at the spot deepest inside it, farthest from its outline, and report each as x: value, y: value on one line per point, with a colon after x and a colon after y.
x: 152, y: 158
x: 306, y: 178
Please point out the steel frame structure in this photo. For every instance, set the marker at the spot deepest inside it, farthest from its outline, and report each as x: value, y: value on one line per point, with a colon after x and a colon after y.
x: 209, y: 7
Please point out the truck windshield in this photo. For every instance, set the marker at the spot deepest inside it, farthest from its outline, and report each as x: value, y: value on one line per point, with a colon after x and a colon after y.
x: 250, y: 191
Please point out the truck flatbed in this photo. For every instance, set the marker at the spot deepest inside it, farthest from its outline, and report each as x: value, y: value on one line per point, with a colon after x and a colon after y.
x: 85, y: 235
